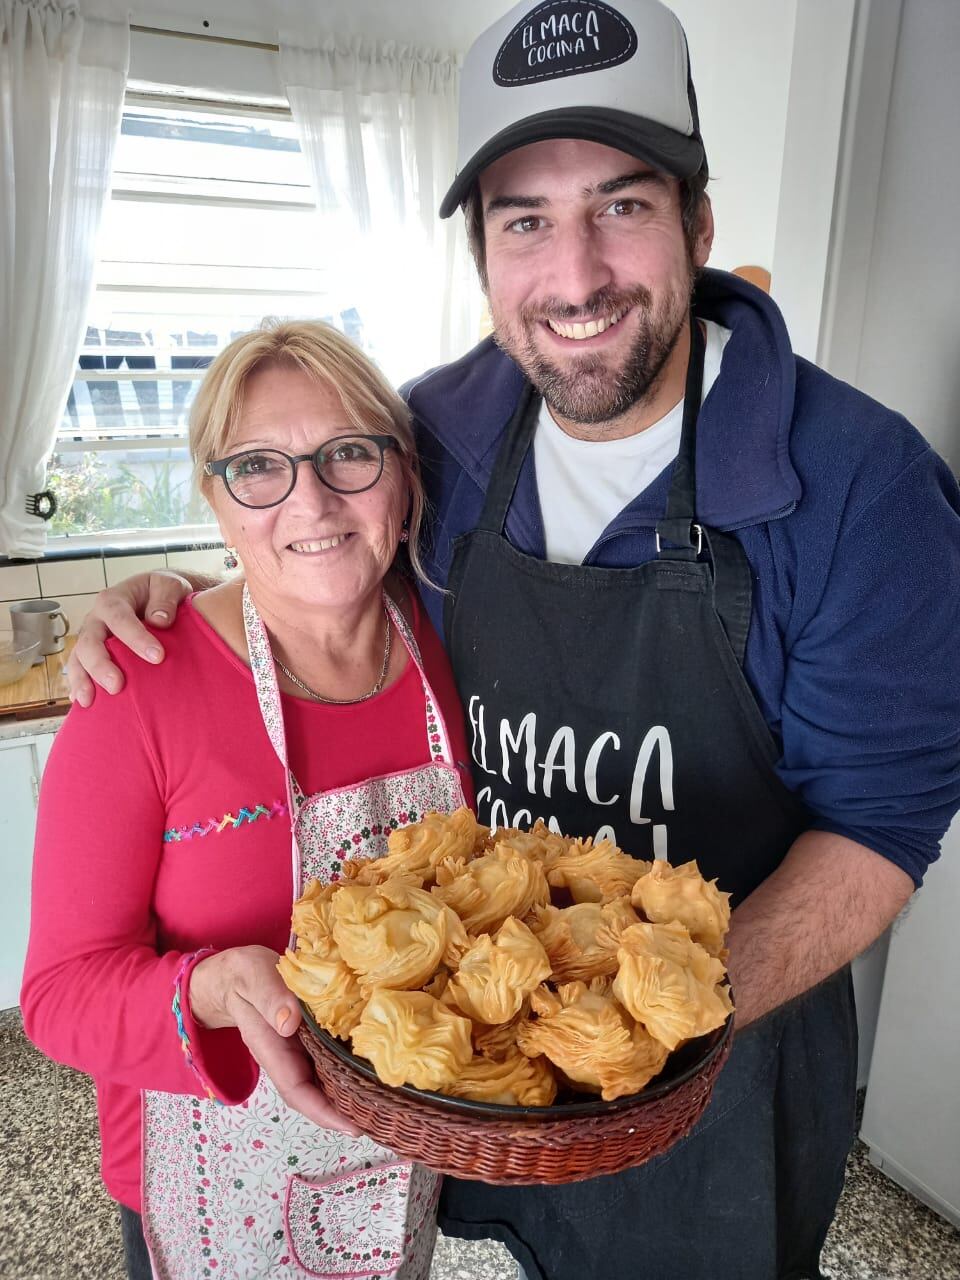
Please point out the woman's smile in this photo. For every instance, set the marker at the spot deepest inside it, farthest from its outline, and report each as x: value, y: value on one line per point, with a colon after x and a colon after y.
x: 314, y: 546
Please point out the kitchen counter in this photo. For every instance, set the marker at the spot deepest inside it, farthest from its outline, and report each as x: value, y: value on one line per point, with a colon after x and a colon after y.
x: 43, y: 690
x: 12, y: 726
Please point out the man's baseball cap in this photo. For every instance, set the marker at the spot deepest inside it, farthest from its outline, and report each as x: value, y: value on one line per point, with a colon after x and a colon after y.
x: 617, y: 74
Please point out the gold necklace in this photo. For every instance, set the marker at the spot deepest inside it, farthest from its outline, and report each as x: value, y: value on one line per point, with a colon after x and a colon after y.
x: 344, y: 702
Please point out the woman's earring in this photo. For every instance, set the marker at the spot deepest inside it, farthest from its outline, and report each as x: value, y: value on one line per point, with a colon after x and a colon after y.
x: 230, y: 558
x: 404, y: 533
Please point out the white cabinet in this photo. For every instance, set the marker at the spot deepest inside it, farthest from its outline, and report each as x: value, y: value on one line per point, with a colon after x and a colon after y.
x: 22, y: 758
x: 911, y: 1121
x: 868, y: 971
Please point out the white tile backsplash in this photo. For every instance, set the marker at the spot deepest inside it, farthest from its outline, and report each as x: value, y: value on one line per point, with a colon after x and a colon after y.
x: 75, y: 583
x: 76, y: 608
x: 19, y: 582
x: 209, y: 561
x: 59, y: 578
x: 119, y: 567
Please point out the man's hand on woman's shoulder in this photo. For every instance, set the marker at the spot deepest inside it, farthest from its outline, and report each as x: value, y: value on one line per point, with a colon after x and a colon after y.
x: 117, y: 612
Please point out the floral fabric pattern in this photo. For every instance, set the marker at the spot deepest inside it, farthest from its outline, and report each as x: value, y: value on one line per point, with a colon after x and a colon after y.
x: 229, y: 1189
x: 349, y: 1225
x: 355, y: 822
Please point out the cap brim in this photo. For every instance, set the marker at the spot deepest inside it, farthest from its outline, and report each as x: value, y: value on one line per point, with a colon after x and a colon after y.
x: 665, y: 149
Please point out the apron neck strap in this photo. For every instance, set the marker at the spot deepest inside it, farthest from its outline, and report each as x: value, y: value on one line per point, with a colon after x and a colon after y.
x: 264, y: 674
x: 438, y: 737
x: 506, y: 468
x: 679, y: 527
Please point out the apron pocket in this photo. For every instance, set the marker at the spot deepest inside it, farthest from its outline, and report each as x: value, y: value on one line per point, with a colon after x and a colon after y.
x: 360, y: 1224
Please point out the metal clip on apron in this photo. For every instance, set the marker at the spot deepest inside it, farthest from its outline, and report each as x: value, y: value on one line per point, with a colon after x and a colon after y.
x: 613, y: 701
x: 257, y: 1190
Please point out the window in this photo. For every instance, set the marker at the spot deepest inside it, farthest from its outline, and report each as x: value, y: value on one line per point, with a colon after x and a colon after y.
x: 210, y: 227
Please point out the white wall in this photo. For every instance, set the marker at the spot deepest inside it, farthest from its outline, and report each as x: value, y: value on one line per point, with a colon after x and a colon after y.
x: 740, y: 55
x: 909, y: 349
x: 811, y: 160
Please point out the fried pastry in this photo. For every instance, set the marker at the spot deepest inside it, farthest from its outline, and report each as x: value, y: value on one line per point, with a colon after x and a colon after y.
x: 669, y: 983
x: 327, y: 986
x: 419, y: 847
x: 596, y: 872
x: 668, y: 893
x: 497, y: 973
x: 485, y: 891
x: 410, y: 1038
x: 372, y: 871
x: 582, y: 940
x: 311, y: 919
x: 394, y: 935
x: 539, y: 842
x: 437, y: 985
x: 514, y: 1080
x: 500, y: 1041
x: 449, y: 967
x: 585, y: 1032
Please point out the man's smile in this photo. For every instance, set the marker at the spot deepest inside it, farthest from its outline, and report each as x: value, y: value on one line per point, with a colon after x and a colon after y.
x: 578, y: 330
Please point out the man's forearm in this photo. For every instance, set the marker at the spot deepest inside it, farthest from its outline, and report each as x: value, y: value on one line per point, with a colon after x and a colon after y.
x: 828, y: 900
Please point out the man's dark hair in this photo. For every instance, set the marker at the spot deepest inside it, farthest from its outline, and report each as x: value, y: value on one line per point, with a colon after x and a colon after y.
x: 692, y: 199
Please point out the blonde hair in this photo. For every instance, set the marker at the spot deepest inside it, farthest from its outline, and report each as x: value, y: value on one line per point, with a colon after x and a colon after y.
x: 325, y: 354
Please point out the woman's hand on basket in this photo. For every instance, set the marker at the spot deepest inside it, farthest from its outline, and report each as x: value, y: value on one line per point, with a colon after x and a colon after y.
x: 241, y: 988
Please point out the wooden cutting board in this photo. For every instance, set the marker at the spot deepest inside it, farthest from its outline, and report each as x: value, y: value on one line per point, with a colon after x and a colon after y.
x: 44, y: 686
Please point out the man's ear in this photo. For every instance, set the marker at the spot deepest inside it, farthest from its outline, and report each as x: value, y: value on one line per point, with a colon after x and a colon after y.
x: 704, y: 238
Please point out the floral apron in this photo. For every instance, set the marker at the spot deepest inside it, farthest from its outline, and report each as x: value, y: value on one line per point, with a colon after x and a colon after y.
x: 257, y: 1189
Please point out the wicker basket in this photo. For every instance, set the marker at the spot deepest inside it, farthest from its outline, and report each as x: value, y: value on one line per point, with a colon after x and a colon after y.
x: 515, y: 1145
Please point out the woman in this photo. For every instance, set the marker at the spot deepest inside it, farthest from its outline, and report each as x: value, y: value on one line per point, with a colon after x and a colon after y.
x: 166, y: 860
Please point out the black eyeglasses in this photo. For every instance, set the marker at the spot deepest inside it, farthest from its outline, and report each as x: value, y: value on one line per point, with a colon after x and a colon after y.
x: 265, y: 477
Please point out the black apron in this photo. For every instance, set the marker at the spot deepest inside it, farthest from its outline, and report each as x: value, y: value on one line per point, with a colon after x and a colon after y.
x: 612, y: 702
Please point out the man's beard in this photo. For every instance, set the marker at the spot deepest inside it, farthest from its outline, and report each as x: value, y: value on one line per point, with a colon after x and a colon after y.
x: 588, y: 388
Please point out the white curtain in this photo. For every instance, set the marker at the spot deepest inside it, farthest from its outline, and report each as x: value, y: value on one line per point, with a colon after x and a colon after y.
x: 62, y: 75
x: 378, y: 126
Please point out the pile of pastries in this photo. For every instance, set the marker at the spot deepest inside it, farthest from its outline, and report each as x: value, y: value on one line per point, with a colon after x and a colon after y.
x: 507, y: 966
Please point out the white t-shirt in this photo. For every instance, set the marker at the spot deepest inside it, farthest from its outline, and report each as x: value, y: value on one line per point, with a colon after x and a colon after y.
x: 584, y: 484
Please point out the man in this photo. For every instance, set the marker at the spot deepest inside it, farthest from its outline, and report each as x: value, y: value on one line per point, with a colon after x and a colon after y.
x: 724, y: 633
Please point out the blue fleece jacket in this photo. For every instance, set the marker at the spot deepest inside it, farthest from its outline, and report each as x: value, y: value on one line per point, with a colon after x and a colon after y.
x: 851, y: 524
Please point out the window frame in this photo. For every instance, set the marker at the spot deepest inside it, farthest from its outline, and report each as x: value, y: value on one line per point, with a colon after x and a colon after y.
x: 163, y: 437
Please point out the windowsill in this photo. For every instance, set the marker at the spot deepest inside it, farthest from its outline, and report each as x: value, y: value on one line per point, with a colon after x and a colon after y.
x: 120, y: 542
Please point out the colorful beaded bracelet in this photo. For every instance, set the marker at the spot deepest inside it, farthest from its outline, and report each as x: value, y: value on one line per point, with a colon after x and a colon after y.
x: 177, y: 1008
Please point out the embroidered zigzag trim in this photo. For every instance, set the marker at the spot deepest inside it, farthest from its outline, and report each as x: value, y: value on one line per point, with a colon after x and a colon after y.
x: 213, y: 826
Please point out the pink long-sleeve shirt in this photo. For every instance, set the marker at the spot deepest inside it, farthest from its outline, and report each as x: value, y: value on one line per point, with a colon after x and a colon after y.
x: 162, y: 828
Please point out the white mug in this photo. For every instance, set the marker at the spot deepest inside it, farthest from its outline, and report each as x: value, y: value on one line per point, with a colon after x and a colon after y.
x: 34, y: 620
